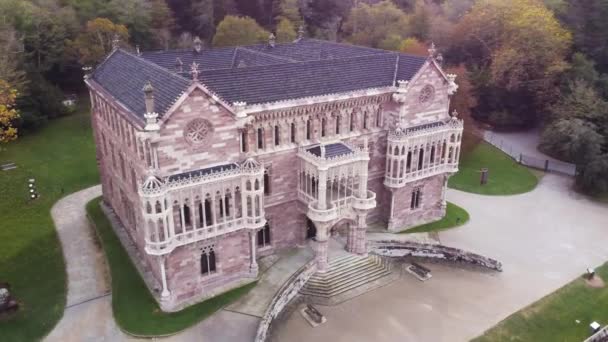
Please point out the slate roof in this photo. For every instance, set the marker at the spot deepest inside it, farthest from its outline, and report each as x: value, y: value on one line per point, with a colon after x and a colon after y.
x: 203, y: 172
x: 254, y: 74
x: 331, y: 150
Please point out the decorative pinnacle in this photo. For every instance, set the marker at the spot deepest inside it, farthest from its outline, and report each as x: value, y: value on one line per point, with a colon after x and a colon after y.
x: 197, y: 44
x: 454, y: 114
x: 115, y: 41
x: 148, y: 89
x: 137, y: 51
x: 432, y: 50
x: 194, y: 71
x: 272, y: 40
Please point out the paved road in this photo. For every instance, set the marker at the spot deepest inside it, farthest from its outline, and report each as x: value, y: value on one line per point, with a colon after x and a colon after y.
x: 544, y: 238
x: 88, y: 315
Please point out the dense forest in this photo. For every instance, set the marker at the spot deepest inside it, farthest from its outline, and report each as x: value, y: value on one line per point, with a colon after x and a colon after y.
x: 520, y: 62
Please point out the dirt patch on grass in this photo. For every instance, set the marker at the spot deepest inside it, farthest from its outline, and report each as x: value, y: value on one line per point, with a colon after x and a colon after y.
x: 596, y: 282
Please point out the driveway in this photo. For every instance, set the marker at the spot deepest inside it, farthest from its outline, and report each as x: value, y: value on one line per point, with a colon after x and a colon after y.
x: 544, y: 238
x: 88, y: 315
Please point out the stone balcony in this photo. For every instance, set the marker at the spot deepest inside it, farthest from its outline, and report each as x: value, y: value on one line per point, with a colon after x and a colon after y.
x: 416, y: 175
x: 197, y: 205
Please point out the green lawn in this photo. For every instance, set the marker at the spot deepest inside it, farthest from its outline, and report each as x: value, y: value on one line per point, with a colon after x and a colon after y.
x: 553, y: 318
x: 61, y: 157
x: 135, y: 310
x: 455, y: 216
x: 506, y: 177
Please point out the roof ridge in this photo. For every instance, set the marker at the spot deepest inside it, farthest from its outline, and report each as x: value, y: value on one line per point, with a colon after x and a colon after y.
x: 259, y: 67
x: 156, y: 66
x: 380, y: 51
x: 291, y: 60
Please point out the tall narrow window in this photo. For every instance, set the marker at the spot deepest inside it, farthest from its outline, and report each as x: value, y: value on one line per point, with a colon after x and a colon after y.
x: 352, y: 121
x: 208, y: 261
x: 260, y: 138
x: 416, y: 199
x: 277, y: 135
x: 323, y: 124
x: 338, y: 122
x: 433, y: 154
x: 365, y: 120
x: 379, y: 118
x: 421, y: 159
x: 208, y: 212
x: 443, y: 150
x: 201, y: 217
x: 293, y: 132
x: 308, y: 128
x: 244, y: 141
x: 187, y: 215
x: 263, y: 239
x: 266, y: 182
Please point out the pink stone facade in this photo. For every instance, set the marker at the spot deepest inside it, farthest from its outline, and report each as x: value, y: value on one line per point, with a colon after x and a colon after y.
x: 257, y: 180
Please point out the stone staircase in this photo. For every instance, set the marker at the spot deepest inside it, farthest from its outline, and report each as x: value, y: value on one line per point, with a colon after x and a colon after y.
x: 348, y: 276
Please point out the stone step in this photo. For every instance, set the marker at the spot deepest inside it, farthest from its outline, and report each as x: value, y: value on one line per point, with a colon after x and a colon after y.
x: 347, y: 274
x: 337, y: 286
x: 346, y: 286
x: 344, y: 273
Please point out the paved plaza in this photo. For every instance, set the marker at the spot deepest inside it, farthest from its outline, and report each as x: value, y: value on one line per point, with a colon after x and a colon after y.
x: 544, y: 238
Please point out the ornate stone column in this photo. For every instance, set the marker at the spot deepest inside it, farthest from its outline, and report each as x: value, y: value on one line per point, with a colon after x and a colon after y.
x: 253, y: 266
x: 321, y: 246
x: 163, y: 276
x: 359, y: 239
x: 444, y: 202
x: 322, y: 185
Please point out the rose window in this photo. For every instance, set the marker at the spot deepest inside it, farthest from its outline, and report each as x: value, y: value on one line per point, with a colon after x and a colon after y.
x: 426, y: 94
x: 197, y: 131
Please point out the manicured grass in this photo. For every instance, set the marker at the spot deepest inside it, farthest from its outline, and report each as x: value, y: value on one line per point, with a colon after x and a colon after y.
x: 506, y: 177
x: 61, y: 157
x: 135, y: 310
x: 553, y: 318
x: 455, y: 216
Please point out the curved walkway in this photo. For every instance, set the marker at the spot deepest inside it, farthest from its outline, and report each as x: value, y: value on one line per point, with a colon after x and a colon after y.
x: 544, y: 238
x: 88, y: 314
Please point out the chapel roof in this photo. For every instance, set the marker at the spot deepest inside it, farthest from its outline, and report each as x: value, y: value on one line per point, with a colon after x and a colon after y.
x: 253, y: 74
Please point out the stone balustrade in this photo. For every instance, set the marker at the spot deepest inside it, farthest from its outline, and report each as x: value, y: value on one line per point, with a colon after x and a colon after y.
x: 399, y: 249
x: 322, y: 215
x: 367, y: 203
x: 417, y: 175
x: 281, y: 299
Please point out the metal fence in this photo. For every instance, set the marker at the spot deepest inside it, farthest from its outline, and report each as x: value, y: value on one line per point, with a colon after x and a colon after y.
x: 545, y: 164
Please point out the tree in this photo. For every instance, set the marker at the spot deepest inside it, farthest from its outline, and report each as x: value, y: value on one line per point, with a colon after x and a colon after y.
x: 413, y: 46
x: 92, y: 45
x: 8, y: 113
x: 11, y: 58
x: 236, y: 31
x: 495, y: 34
x: 289, y: 9
x: 286, y: 31
x: 371, y: 25
x: 162, y: 23
x: 574, y: 140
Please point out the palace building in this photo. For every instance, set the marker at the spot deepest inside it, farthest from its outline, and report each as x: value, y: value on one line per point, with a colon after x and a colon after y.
x: 211, y: 158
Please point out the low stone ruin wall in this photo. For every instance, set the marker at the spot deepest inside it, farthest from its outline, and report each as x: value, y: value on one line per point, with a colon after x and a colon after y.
x: 281, y: 299
x: 600, y: 336
x: 398, y: 249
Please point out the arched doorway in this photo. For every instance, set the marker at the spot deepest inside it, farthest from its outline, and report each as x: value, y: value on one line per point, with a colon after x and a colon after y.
x: 311, y: 230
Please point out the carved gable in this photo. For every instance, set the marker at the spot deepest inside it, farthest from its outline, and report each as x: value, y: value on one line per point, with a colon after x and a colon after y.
x: 199, y: 133
x: 427, y: 97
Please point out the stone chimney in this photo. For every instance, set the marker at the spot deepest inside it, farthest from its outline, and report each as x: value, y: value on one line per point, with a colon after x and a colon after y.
x: 151, y: 116
x: 179, y: 65
x: 272, y: 40
x: 301, y: 33
x: 149, y: 97
x: 197, y: 45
